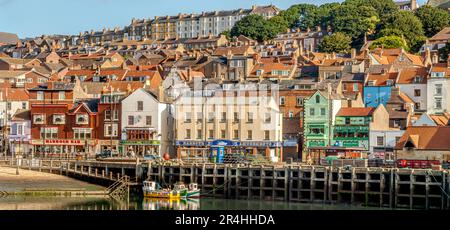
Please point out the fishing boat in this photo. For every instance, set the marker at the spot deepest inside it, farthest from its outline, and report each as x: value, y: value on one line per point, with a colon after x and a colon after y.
x: 152, y: 189
x: 190, y: 192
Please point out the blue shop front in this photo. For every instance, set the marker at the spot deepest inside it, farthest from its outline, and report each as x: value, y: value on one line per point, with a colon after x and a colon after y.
x: 216, y: 150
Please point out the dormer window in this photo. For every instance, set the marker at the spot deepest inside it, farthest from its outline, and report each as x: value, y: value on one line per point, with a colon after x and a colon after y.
x: 417, y: 79
x: 39, y: 119
x: 371, y: 83
x: 82, y: 119
x: 59, y: 119
x: 389, y: 82
x: 259, y: 72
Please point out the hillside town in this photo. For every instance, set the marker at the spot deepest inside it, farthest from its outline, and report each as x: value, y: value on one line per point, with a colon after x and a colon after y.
x: 181, y: 86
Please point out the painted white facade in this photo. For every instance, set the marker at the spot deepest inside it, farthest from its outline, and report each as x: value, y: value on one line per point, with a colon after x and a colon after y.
x: 7, y: 113
x: 20, y: 136
x: 389, y: 141
x: 161, y: 114
x: 434, y: 94
x: 410, y: 90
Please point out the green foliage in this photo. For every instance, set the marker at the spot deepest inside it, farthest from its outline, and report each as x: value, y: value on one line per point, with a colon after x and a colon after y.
x: 444, y: 51
x: 255, y: 27
x: 354, y: 21
x: 406, y: 24
x: 382, y: 7
x: 433, y: 19
x: 278, y: 24
x: 311, y: 15
x: 227, y: 33
x: 337, y: 42
x: 390, y: 42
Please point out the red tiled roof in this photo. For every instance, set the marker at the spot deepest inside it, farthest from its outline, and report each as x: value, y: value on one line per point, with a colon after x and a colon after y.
x: 426, y: 137
x: 13, y: 94
x: 407, y: 75
x: 355, y: 112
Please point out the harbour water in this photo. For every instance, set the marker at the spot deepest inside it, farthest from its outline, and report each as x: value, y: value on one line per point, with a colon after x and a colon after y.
x: 139, y: 203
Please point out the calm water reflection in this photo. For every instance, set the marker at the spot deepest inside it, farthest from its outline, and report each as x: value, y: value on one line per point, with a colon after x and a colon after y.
x: 102, y: 203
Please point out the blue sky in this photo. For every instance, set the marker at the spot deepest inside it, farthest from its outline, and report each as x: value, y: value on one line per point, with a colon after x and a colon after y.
x: 34, y: 18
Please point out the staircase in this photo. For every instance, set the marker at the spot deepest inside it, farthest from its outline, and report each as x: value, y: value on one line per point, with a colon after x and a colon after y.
x: 120, y: 189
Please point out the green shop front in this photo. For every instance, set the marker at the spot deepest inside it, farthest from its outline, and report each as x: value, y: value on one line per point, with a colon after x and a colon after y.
x: 140, y: 147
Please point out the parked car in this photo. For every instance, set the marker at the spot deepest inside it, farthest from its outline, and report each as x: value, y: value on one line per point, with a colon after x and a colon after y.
x: 152, y: 157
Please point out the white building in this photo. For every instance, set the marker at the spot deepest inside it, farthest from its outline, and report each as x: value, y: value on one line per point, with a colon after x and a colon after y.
x: 147, y: 124
x: 11, y: 100
x: 438, y: 86
x: 413, y: 83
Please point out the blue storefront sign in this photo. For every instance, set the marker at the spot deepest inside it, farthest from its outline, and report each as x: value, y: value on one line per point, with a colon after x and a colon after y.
x: 228, y: 143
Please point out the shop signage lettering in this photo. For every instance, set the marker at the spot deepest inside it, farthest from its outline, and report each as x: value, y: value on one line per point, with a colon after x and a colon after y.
x: 152, y: 142
x: 63, y: 142
x: 226, y: 143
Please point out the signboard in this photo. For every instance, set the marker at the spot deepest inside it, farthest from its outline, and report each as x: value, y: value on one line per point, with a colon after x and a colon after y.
x: 149, y: 142
x: 227, y: 143
x: 64, y: 142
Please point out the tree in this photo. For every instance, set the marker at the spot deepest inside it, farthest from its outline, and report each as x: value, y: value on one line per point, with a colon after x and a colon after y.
x: 406, y: 24
x: 254, y: 26
x: 354, y: 21
x: 337, y: 42
x: 227, y: 33
x: 444, y: 52
x: 382, y: 7
x: 278, y: 24
x: 433, y: 19
x: 390, y: 42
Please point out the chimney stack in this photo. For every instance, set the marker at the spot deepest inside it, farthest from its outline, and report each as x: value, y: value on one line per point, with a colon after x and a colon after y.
x: 353, y: 55
x: 435, y: 58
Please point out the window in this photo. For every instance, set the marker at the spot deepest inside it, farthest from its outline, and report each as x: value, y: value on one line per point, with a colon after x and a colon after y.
x: 438, y: 89
x: 211, y: 134
x: 268, y: 118
x: 40, y: 95
x: 19, y: 129
x: 61, y: 95
x: 417, y: 93
x: 140, y: 106
x: 291, y: 114
x: 188, y: 134
x: 266, y: 135
x: 82, y: 133
x: 236, y: 134
x: 211, y: 117
x: 438, y: 103
x: 317, y: 131
x: 148, y: 120
x: 59, y: 119
x: 282, y: 100
x: 397, y: 123
x: 347, y: 120
x: 417, y: 105
x: 417, y: 79
x: 222, y: 134
x: 187, y: 118
x: 355, y: 87
x: 49, y: 133
x: 249, y: 117
x: 224, y: 117
x: 249, y: 134
x: 24, y: 105
x: 199, y: 134
x: 111, y: 130
x: 8, y: 106
x: 39, y: 119
x: 82, y: 119
x: 317, y: 99
x: 299, y: 101
x: 311, y: 111
x: 397, y: 139
x: 199, y: 117
x: 380, y: 141
x: 236, y: 118
x: 130, y: 120
x: 322, y: 111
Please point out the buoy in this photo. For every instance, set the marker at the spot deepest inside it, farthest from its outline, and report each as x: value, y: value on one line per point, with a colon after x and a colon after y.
x: 166, y: 156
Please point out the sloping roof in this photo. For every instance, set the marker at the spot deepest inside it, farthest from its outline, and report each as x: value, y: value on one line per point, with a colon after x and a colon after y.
x: 444, y: 34
x: 355, y: 112
x: 408, y: 75
x: 11, y: 74
x: 441, y: 119
x: 8, y: 38
x: 441, y: 67
x: 22, y: 115
x: 14, y: 94
x: 426, y: 137
x: 381, y: 79
x: 235, y: 50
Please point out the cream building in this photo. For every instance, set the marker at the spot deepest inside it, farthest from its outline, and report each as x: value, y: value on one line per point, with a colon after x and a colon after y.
x: 228, y: 122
